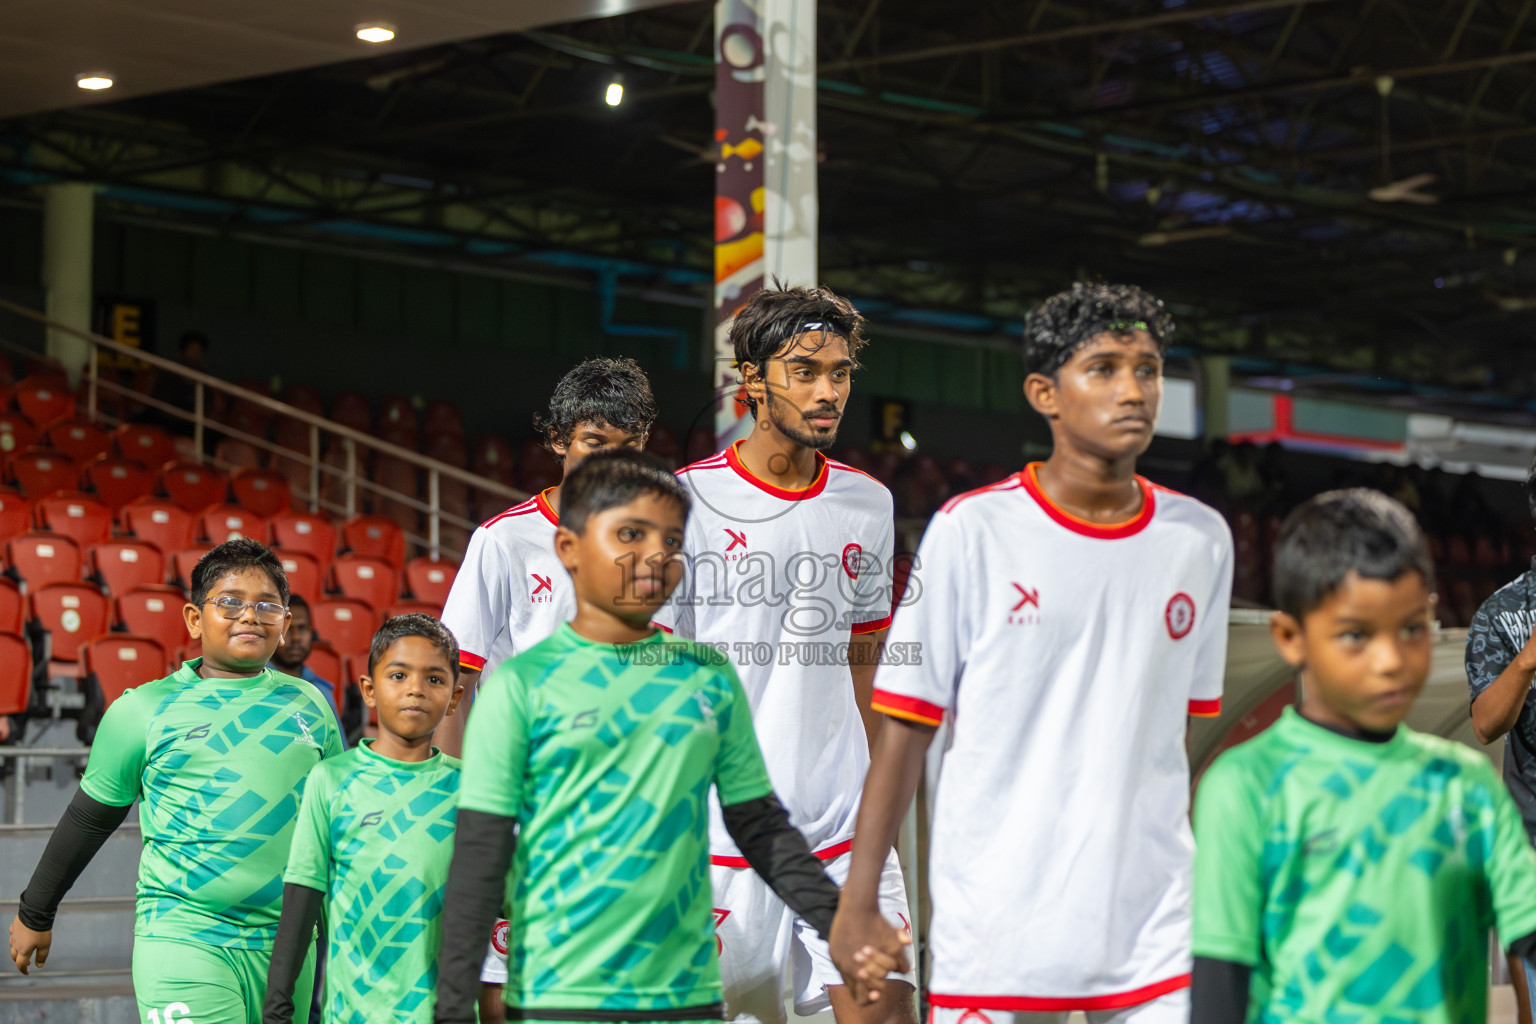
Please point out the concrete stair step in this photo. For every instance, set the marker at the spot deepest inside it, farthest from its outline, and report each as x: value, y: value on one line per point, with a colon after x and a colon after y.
x: 90, y: 934
x: 114, y: 871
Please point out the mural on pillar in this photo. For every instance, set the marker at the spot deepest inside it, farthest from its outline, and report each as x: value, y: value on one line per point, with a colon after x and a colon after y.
x: 765, y: 185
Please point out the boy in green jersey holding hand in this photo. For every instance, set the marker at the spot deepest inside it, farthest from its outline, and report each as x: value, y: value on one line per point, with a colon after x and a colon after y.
x: 373, y: 843
x: 216, y: 754
x: 599, y: 746
x: 1347, y: 867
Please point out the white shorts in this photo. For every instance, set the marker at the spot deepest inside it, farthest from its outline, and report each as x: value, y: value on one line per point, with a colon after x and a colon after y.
x: 1172, y: 1008
x: 494, y: 970
x: 761, y: 940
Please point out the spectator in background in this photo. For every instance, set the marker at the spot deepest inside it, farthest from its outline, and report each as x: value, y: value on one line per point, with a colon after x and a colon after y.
x: 294, y: 651
x: 176, y: 390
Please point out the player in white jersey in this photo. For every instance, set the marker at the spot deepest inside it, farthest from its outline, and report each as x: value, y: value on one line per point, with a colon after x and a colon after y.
x: 511, y: 591
x: 788, y: 558
x: 1070, y: 618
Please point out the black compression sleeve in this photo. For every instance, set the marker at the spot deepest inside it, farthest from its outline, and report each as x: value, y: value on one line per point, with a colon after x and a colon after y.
x: 1524, y: 947
x: 779, y: 853
x: 295, y: 933
x: 1219, y: 992
x: 86, y: 824
x: 477, y: 878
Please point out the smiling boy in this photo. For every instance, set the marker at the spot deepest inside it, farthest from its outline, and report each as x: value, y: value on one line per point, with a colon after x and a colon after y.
x: 373, y: 843
x: 1347, y: 867
x: 1071, y: 617
x: 216, y: 753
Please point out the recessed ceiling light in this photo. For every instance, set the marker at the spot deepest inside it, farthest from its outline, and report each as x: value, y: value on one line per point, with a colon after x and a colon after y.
x: 94, y: 80
x: 375, y: 32
x: 615, y: 93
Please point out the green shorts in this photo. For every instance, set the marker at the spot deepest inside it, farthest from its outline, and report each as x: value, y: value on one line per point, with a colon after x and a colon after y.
x: 190, y: 983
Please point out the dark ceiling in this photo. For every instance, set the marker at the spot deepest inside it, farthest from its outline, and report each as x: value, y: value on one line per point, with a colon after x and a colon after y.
x: 1248, y: 161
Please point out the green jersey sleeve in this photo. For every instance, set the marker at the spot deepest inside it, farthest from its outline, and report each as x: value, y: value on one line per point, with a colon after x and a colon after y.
x: 496, y: 747
x: 114, y: 774
x: 1511, y: 867
x: 1228, y: 890
x: 739, y: 771
x: 309, y: 858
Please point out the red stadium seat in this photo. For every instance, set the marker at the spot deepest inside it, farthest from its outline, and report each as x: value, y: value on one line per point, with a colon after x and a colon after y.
x: 346, y: 624
x: 118, y: 481
x: 77, y: 516
x: 120, y: 661
x: 367, y: 579
x: 73, y: 614
x: 41, y: 471
x: 15, y: 674
x: 538, y: 470
x: 45, y: 399
x: 41, y: 558
x: 448, y: 448
x: 700, y: 445
x: 16, y: 433
x: 13, y: 607
x: 305, y: 577
x: 15, y: 513
x: 443, y: 418
x: 185, y: 560
x: 351, y: 409
x: 125, y: 564
x: 248, y: 417
x: 237, y: 454
x: 413, y: 608
x: 375, y: 536
x: 491, y: 456
x: 263, y: 491
x: 156, y: 612
x: 309, y: 532
x: 148, y: 444
x: 326, y: 663
x: 193, y: 486
x: 396, y: 411
x: 81, y: 440
x: 302, y: 396
x: 162, y: 522
x: 226, y: 522
x: 430, y: 579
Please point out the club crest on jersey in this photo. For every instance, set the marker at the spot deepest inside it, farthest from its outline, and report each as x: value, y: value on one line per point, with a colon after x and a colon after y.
x: 853, y: 560
x: 738, y: 540
x: 1026, y: 606
x: 543, y: 589
x: 499, y: 936
x: 1180, y: 615
x: 307, y: 737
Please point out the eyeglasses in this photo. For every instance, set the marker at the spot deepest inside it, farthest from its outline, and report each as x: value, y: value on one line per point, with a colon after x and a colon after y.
x: 268, y: 612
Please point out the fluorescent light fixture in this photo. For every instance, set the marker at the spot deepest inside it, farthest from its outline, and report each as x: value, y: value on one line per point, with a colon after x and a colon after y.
x: 94, y: 80
x: 908, y: 441
x: 375, y: 32
x: 615, y: 94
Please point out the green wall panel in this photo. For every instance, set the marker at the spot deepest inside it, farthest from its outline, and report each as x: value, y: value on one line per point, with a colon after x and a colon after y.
x: 21, y: 248
x: 221, y: 275
x: 329, y: 290
x: 277, y: 287
x: 157, y: 263
x: 379, y: 287
x: 479, y: 310
x: 428, y: 306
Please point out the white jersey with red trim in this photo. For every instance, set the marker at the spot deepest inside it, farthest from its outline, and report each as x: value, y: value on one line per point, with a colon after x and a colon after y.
x: 779, y: 580
x: 1067, y: 655
x: 511, y: 591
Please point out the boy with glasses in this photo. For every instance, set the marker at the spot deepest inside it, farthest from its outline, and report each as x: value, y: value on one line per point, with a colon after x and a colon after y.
x: 217, y: 752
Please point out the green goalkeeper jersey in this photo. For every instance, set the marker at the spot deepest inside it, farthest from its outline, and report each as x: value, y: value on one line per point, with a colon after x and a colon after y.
x: 605, y: 755
x: 376, y: 835
x: 1357, y: 879
x: 218, y: 766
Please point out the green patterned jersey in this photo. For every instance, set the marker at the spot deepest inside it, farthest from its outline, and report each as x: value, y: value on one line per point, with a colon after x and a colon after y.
x: 218, y: 768
x: 605, y: 755
x: 1359, y: 880
x: 376, y: 835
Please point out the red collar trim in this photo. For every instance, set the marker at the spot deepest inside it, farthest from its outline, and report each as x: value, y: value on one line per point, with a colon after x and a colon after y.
x: 541, y: 503
x: 1029, y: 476
x: 817, y: 486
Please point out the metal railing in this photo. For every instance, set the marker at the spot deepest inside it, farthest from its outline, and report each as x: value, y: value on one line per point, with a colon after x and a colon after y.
x: 16, y: 803
x: 355, y: 445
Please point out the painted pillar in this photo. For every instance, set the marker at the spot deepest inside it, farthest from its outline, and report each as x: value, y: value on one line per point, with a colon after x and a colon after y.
x: 765, y: 159
x: 1215, y: 383
x: 68, y: 222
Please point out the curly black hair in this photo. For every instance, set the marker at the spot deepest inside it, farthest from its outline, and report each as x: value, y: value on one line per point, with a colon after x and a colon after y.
x: 776, y: 314
x: 1062, y: 323
x: 1339, y: 532
x: 609, y: 391
x: 413, y: 624
x: 608, y: 479
x: 235, y: 556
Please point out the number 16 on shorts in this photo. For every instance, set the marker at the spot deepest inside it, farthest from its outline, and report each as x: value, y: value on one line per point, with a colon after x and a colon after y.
x: 174, y: 1013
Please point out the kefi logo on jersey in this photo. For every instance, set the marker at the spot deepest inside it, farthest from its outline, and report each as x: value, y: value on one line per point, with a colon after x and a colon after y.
x: 543, y: 589
x: 1026, y: 598
x: 1180, y: 615
x: 853, y: 558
